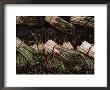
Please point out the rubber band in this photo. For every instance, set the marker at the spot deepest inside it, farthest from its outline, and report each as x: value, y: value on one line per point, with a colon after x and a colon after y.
x: 53, y: 49
x: 89, y: 49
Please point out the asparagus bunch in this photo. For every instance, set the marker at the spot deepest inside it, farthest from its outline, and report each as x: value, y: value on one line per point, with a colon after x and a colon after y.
x: 86, y: 48
x: 30, y: 20
x: 26, y: 54
x: 67, y: 45
x: 60, y: 24
x: 86, y: 21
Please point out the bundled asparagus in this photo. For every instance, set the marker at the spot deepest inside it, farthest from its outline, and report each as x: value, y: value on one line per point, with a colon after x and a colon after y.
x: 67, y: 45
x: 50, y: 47
x: 86, y: 48
x: 30, y: 20
x: 38, y: 47
x: 83, y: 21
x: 26, y: 54
x: 68, y: 55
x: 60, y: 24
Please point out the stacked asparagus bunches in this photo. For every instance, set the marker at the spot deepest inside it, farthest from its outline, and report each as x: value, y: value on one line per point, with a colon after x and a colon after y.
x: 60, y: 24
x: 26, y: 54
x: 69, y: 55
x: 85, y: 21
x: 86, y: 48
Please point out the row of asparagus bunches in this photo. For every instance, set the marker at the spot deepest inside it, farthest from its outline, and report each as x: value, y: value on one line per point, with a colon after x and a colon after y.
x: 27, y: 54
